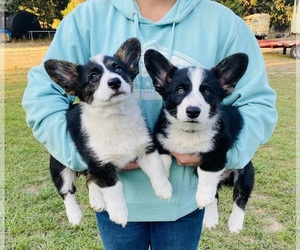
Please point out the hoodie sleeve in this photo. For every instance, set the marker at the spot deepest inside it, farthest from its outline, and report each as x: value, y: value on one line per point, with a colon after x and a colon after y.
x: 46, y: 104
x: 254, y: 98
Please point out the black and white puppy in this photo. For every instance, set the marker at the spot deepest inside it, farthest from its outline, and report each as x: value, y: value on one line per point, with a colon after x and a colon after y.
x: 193, y: 121
x: 108, y: 129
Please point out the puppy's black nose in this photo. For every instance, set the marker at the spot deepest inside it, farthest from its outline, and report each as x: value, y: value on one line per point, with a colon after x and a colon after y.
x: 114, y: 83
x: 193, y: 112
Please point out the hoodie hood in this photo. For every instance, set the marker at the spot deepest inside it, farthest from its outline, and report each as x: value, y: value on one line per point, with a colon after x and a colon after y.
x: 180, y: 10
x: 149, y: 100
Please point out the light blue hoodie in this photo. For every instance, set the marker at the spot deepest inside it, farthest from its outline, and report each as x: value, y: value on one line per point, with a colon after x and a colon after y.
x: 194, y: 32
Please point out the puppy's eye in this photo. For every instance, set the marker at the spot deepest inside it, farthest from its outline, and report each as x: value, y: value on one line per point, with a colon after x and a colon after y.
x: 119, y: 70
x: 94, y: 76
x: 207, y: 92
x: 180, y: 90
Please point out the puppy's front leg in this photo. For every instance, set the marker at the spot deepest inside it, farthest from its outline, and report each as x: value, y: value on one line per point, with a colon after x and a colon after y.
x: 64, y: 179
x: 152, y: 165
x: 115, y: 203
x: 211, y: 216
x: 167, y: 161
x: 207, y: 186
x: 105, y: 184
x: 95, y: 197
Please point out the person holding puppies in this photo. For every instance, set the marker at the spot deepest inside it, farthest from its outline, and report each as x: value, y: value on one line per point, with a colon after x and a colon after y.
x: 191, y: 32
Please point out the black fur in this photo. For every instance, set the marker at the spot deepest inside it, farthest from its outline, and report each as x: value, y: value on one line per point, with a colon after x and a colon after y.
x: 230, y: 125
x: 56, y: 168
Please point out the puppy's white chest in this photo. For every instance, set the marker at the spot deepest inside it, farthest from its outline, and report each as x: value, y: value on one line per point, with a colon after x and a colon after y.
x: 187, y: 142
x: 117, y: 138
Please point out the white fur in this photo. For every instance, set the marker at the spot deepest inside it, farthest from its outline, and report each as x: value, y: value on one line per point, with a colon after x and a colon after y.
x: 211, y: 216
x: 117, y: 133
x: 236, y: 219
x: 207, y: 187
x: 115, y: 203
x: 72, y: 209
x: 69, y: 177
x: 167, y: 161
x: 95, y: 196
x: 151, y: 164
x: 180, y: 138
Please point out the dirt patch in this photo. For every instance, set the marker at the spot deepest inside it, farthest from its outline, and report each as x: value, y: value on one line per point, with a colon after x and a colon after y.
x: 32, y: 189
x: 272, y: 225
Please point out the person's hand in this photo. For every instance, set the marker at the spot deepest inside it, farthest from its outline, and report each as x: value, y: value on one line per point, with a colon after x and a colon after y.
x: 191, y: 160
x: 131, y: 166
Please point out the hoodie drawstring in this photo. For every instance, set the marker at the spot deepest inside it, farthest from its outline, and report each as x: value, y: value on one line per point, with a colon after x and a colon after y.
x: 170, y: 49
x: 139, y: 76
x: 169, y: 54
x: 136, y: 23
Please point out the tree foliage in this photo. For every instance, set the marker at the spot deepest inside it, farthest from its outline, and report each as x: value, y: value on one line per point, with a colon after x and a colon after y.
x: 280, y: 11
x: 46, y: 10
x: 237, y: 6
x: 72, y: 4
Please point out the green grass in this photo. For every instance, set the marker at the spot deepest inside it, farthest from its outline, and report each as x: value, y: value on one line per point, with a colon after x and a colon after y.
x: 35, y: 216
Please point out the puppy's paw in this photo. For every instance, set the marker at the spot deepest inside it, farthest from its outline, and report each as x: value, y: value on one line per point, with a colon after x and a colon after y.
x: 163, y: 189
x: 207, y: 187
x: 211, y: 216
x: 236, y: 219
x: 72, y: 209
x: 210, y: 223
x: 115, y: 203
x: 118, y: 213
x: 205, y: 197
x: 95, y: 197
x: 235, y: 225
x: 74, y: 215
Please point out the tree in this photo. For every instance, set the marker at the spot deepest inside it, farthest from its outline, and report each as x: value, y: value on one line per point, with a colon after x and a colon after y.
x: 71, y: 5
x: 237, y: 6
x: 46, y: 10
x: 281, y: 14
x: 280, y: 11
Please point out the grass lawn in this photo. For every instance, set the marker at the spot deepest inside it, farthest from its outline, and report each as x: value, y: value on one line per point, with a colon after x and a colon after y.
x: 35, y: 216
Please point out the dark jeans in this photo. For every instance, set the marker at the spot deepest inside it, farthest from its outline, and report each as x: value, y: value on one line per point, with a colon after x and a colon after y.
x: 183, y: 234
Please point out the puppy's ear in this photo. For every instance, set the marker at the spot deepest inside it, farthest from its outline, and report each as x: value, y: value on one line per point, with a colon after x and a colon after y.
x: 230, y: 70
x: 64, y: 73
x: 130, y: 53
x: 160, y: 69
